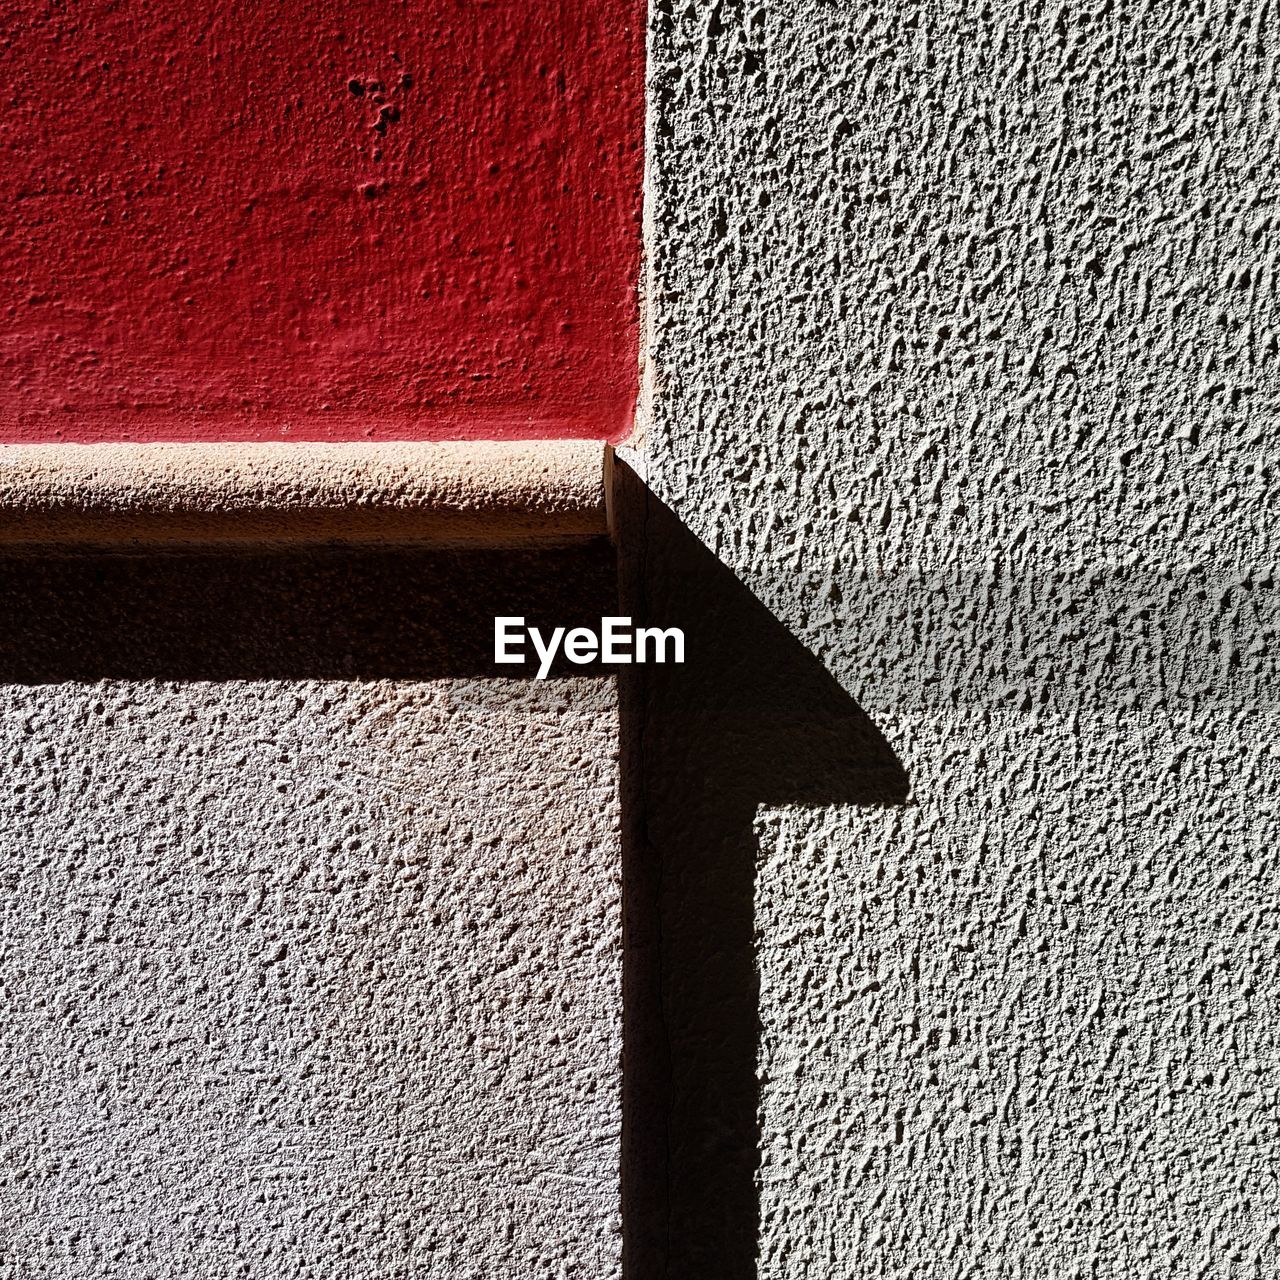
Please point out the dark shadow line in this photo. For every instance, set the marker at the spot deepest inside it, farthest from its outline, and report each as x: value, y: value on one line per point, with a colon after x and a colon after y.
x: 318, y: 614
x: 751, y: 719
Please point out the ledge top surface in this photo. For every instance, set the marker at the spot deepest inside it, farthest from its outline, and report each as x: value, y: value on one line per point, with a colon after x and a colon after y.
x: 473, y: 493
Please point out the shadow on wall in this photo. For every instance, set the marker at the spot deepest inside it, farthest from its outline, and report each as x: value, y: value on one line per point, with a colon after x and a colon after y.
x: 326, y: 614
x: 751, y: 719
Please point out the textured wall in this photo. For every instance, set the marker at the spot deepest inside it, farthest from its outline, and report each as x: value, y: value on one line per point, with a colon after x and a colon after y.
x: 238, y: 220
x: 965, y: 344
x: 302, y: 975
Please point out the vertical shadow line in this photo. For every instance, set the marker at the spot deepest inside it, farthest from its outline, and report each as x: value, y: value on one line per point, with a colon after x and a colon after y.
x: 750, y: 719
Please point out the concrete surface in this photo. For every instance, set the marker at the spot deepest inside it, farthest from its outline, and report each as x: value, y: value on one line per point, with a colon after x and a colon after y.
x: 964, y: 362
x: 304, y: 973
x: 481, y: 493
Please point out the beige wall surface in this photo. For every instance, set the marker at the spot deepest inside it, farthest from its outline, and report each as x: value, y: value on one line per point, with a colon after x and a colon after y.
x: 964, y: 361
x: 310, y: 929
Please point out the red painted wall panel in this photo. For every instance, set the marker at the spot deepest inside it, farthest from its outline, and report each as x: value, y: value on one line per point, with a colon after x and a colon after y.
x: 274, y: 219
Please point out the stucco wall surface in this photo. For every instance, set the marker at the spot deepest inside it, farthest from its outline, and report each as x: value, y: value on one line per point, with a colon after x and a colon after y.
x: 965, y: 362
x: 309, y: 978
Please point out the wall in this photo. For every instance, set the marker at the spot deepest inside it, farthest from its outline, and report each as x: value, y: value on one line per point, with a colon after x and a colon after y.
x: 310, y: 927
x: 964, y: 363
x: 310, y: 938
x: 320, y: 221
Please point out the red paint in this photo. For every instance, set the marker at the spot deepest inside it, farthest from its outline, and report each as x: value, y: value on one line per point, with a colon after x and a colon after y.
x: 261, y: 219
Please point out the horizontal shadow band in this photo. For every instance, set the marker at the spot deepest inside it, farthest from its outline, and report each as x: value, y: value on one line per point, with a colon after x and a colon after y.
x: 302, y: 614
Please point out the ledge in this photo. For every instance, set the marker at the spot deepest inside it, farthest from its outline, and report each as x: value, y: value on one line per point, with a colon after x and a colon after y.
x: 477, y: 493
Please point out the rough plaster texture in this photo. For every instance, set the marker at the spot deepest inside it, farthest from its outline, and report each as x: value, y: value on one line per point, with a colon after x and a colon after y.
x: 319, y: 219
x: 302, y: 977
x: 965, y: 361
x: 481, y: 493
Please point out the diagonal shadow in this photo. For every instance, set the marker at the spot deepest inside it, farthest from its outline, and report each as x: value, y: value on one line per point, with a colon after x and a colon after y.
x: 750, y: 719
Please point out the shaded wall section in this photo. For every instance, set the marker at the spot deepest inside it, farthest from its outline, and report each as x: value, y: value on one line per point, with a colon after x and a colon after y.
x: 964, y: 365
x: 310, y: 931
x: 332, y: 221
